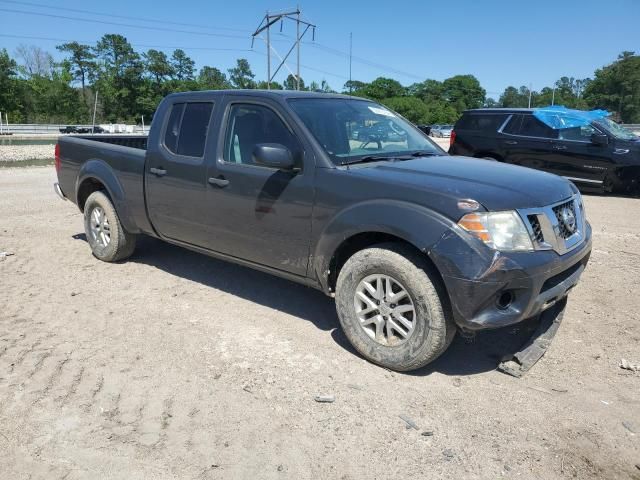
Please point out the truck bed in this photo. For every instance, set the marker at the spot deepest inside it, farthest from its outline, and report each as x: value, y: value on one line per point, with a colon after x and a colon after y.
x: 117, y: 160
x: 133, y: 141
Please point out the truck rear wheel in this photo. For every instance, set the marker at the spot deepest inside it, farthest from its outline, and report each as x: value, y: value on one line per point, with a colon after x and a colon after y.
x: 391, y: 307
x: 109, y: 242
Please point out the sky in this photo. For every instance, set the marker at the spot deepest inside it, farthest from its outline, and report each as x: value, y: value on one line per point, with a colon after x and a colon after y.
x: 501, y: 42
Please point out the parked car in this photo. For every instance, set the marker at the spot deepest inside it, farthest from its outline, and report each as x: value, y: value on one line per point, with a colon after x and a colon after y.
x: 412, y: 243
x: 442, y: 131
x: 600, y: 155
x: 425, y: 128
x: 382, y: 131
x: 94, y: 129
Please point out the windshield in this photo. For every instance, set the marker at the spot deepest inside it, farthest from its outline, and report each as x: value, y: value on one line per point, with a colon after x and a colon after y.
x: 616, y: 130
x: 350, y: 129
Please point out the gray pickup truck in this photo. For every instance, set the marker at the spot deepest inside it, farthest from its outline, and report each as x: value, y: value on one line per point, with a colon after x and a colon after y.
x: 414, y: 244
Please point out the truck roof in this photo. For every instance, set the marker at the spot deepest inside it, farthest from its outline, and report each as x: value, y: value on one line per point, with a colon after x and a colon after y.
x: 281, y: 94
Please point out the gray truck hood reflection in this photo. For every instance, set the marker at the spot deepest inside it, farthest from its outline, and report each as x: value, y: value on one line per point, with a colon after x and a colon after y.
x: 495, y: 185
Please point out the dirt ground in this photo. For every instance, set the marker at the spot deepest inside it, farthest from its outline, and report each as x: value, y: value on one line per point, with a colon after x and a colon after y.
x: 175, y: 365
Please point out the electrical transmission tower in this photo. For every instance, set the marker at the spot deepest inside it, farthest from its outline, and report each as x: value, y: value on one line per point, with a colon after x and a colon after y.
x: 270, y: 19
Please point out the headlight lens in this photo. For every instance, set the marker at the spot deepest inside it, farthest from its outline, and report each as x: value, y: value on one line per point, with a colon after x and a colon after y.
x: 499, y: 230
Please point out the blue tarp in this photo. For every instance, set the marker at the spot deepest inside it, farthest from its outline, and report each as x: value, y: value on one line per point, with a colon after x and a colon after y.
x: 558, y: 116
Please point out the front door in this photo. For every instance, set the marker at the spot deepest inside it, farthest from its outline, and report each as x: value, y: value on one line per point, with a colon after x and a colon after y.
x: 262, y: 214
x: 579, y: 159
x: 175, y: 176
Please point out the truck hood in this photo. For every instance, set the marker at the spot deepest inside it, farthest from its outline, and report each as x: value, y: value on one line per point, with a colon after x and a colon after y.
x: 495, y: 185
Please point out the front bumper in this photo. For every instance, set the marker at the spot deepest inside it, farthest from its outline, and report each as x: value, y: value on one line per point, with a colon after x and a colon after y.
x: 495, y: 289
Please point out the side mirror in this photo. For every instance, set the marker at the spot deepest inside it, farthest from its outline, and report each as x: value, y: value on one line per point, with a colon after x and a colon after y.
x: 599, y: 139
x: 273, y: 155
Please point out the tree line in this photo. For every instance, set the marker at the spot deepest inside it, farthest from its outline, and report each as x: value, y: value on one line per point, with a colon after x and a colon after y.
x: 129, y: 84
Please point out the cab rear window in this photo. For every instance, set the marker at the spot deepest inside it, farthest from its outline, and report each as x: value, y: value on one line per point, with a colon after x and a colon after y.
x: 186, y: 132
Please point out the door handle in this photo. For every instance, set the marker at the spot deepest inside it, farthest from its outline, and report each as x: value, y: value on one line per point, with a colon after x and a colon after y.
x: 158, y: 171
x: 510, y: 142
x: 219, y: 182
x: 559, y: 147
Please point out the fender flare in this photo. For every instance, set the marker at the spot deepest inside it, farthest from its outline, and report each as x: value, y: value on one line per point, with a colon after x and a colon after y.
x: 96, y: 169
x: 417, y: 225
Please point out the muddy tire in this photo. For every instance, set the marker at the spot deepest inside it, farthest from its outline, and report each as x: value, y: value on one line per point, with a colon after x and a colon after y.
x: 392, y: 307
x: 109, y: 242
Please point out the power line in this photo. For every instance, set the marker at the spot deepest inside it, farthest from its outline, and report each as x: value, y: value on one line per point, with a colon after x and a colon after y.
x: 125, y: 17
x: 27, y: 37
x: 105, y: 22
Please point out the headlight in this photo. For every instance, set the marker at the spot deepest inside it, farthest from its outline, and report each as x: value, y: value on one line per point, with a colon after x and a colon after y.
x: 499, y: 230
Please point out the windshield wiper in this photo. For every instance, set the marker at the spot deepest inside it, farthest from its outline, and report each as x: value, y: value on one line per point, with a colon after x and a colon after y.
x: 397, y: 156
x: 365, y: 159
x: 423, y: 153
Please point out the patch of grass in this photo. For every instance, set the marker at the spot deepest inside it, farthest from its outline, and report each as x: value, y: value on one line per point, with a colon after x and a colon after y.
x: 32, y: 162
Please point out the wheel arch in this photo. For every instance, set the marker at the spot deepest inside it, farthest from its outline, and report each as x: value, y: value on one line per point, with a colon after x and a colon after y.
x: 374, y: 222
x: 97, y: 175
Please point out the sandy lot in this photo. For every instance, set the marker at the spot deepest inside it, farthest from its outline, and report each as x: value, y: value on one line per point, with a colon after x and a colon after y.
x: 175, y: 365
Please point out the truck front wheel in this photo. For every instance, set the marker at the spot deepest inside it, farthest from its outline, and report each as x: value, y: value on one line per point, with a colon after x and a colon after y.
x: 392, y: 308
x: 109, y: 242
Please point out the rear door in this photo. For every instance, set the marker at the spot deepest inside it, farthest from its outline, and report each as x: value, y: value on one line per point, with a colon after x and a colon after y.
x: 579, y: 159
x: 528, y: 142
x: 261, y: 214
x: 176, y: 181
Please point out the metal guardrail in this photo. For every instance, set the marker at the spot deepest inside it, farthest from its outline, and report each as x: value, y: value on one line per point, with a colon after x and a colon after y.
x: 54, y: 129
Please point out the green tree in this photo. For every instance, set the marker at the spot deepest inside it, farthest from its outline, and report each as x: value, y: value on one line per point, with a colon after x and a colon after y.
x: 210, y: 78
x: 82, y: 60
x: 182, y: 65
x: 382, y: 88
x: 353, y: 87
x: 412, y: 108
x: 119, y: 78
x: 263, y: 85
x: 463, y: 92
x: 291, y: 84
x: 616, y: 87
x: 241, y: 75
x: 11, y: 93
x: 158, y: 66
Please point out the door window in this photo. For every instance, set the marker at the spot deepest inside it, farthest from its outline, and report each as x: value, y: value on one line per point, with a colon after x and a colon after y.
x: 579, y: 134
x: 250, y: 125
x: 186, y: 132
x: 532, y: 127
x: 513, y: 127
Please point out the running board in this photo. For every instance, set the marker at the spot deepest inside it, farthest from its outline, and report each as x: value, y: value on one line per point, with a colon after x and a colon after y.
x: 520, y: 362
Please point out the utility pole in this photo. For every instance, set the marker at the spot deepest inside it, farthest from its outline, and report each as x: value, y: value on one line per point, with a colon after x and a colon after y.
x: 142, y: 124
x: 553, y: 96
x: 530, y: 86
x: 350, y: 57
x: 95, y: 107
x: 265, y: 24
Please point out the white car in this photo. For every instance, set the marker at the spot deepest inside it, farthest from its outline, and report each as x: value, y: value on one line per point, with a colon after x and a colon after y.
x: 442, y: 131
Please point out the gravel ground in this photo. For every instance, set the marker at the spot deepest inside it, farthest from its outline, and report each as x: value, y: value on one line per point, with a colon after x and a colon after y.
x: 175, y: 365
x: 20, y: 153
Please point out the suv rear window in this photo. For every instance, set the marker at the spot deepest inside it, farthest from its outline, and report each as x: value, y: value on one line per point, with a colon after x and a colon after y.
x: 186, y: 132
x: 489, y: 122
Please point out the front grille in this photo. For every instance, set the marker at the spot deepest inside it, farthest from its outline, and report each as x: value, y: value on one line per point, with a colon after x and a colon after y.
x: 536, y: 228
x: 566, y: 229
x: 559, y: 227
